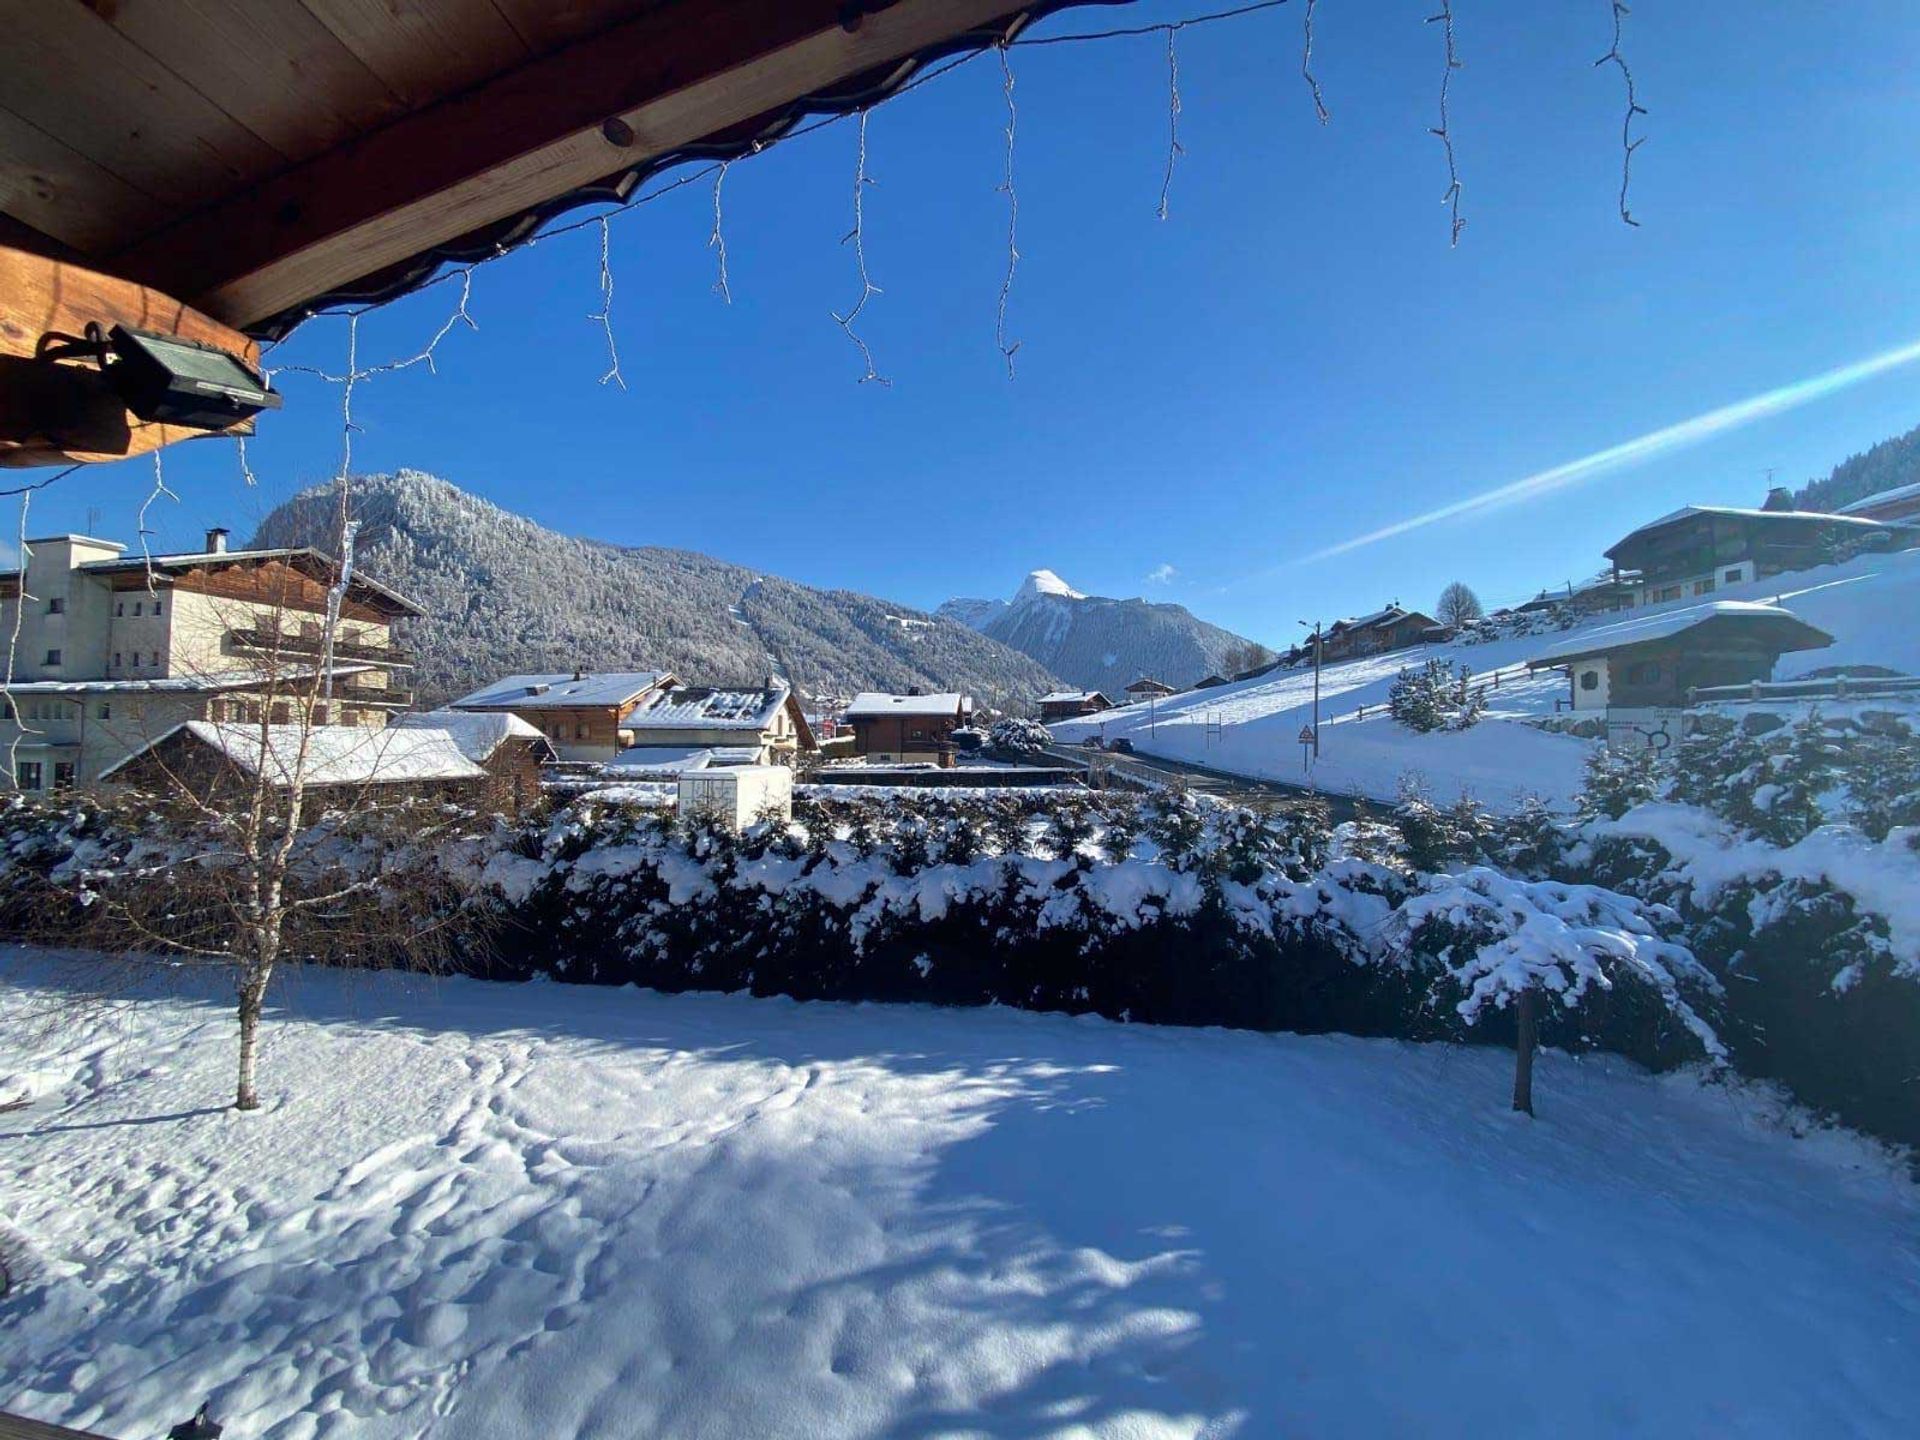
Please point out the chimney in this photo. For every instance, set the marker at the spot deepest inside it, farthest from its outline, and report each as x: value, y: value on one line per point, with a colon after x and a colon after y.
x: 1778, y: 498
x: 217, y: 540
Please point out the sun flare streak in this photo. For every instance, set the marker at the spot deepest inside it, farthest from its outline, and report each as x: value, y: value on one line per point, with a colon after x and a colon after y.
x: 1642, y: 448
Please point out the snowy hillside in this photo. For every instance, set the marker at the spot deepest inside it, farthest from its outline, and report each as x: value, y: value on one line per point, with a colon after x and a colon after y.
x: 1252, y: 728
x: 504, y: 595
x: 612, y: 1213
x: 1096, y: 642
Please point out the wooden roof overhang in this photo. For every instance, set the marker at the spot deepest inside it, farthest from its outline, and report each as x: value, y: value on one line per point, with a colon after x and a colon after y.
x: 223, y: 169
x: 377, y: 601
x: 261, y: 159
x: 1770, y: 635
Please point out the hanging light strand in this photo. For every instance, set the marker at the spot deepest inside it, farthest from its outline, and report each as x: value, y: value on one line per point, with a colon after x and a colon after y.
x: 1008, y: 348
x: 858, y: 238
x: 1174, y: 148
x: 1445, y: 128
x: 1628, y: 141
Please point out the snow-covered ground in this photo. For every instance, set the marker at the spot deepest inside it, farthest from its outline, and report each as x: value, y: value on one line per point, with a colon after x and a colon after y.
x: 506, y: 1212
x: 1252, y: 728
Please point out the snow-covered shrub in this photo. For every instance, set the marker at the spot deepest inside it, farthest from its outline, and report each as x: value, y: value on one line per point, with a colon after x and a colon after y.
x: 1440, y: 836
x: 1781, y: 779
x: 1435, y: 696
x: 1018, y: 739
x: 1619, y: 778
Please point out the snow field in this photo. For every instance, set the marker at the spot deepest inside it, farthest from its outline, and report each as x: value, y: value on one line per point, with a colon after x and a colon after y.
x: 504, y: 1211
x: 1252, y: 727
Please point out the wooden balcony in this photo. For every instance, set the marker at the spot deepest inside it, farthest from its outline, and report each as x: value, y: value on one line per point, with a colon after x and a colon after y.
x: 283, y: 642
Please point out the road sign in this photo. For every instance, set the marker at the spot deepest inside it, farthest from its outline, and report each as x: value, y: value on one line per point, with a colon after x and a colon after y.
x: 1306, y: 735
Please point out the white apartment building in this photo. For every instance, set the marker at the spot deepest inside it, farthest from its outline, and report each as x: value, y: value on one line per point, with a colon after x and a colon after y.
x: 109, y: 651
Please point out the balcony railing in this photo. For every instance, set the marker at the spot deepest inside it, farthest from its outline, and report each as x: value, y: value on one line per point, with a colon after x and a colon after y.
x: 285, y: 642
x: 372, y: 695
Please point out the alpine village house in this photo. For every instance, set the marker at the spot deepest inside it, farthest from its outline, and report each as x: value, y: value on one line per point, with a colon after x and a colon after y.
x: 648, y: 721
x: 114, y: 651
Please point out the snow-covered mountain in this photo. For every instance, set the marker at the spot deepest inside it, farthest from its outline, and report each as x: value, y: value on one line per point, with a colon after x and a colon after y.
x: 1098, y: 642
x: 505, y: 595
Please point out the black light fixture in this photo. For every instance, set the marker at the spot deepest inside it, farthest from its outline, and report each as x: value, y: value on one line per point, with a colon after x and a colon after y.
x: 173, y: 381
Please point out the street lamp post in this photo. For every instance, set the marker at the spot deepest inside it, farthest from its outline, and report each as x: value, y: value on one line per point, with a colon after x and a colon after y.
x: 1316, y: 688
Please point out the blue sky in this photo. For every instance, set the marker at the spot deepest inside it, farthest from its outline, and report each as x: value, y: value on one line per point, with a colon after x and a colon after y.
x: 1294, y: 358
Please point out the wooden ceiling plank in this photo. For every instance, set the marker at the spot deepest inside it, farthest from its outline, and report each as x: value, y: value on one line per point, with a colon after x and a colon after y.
x: 546, y: 25
x: 268, y: 63
x: 675, y: 77
x: 61, y: 193
x: 423, y: 50
x: 64, y: 69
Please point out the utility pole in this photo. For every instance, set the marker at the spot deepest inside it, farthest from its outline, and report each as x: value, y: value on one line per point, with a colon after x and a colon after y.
x: 1316, y: 688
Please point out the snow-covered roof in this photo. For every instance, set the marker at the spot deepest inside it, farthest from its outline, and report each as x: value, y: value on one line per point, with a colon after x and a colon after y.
x: 1783, y: 627
x: 870, y: 703
x: 477, y: 734
x: 704, y: 708
x: 1070, y: 697
x: 567, y: 690
x: 663, y: 759
x: 1687, y: 512
x: 1883, y: 497
x: 335, y: 754
x: 182, y: 684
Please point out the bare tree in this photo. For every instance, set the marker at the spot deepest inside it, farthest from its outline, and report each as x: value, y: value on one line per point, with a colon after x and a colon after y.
x: 293, y: 824
x: 1458, y: 606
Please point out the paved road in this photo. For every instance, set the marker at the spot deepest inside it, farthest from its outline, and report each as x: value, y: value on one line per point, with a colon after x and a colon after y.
x: 1233, y: 789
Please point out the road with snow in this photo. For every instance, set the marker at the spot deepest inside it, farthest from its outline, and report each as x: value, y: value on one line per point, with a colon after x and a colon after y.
x: 500, y: 1212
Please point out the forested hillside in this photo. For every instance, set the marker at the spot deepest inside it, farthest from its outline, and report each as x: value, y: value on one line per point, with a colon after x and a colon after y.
x: 1890, y: 463
x: 504, y: 594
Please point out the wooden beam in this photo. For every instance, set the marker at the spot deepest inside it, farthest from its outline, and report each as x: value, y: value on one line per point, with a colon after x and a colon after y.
x: 55, y: 413
x: 672, y: 77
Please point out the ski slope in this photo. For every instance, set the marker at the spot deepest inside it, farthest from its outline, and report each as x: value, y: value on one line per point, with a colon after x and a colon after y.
x: 1252, y: 727
x: 502, y: 1212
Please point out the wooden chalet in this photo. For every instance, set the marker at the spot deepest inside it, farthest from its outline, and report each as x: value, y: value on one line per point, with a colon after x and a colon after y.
x: 220, y: 170
x: 1071, y: 704
x: 1653, y: 662
x: 1146, y: 688
x: 1898, y: 506
x: 583, y: 715
x: 1699, y: 549
x: 912, y: 728
x: 1391, y: 628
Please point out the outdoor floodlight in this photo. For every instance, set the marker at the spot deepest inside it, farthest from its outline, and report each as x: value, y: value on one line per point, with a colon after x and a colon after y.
x: 183, y: 382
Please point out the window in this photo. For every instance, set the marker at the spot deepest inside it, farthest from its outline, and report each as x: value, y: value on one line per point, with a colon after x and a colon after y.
x: 27, y: 774
x: 1734, y: 576
x: 1644, y: 672
x: 156, y: 607
x: 63, y: 774
x: 116, y: 658
x: 138, y: 606
x: 106, y: 711
x: 119, y: 608
x: 57, y: 606
x: 579, y: 729
x: 156, y: 657
x: 1589, y: 679
x: 1703, y: 587
x: 53, y: 657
